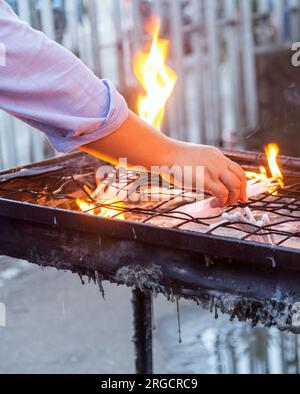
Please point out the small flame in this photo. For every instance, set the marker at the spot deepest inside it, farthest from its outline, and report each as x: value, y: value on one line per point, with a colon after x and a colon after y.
x: 261, y: 177
x: 105, y: 212
x: 86, y: 207
x: 272, y: 152
x: 157, y: 79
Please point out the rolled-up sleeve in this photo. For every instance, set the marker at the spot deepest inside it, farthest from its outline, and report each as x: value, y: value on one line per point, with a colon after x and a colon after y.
x: 46, y: 86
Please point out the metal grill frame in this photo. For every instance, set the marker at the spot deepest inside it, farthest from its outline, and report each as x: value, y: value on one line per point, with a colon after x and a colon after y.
x: 171, y: 261
x: 206, y: 244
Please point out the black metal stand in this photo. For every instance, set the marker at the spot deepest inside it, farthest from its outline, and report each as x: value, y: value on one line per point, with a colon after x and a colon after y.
x: 142, y: 315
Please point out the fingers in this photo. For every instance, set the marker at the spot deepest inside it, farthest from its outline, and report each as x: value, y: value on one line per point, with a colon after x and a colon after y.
x: 233, y: 185
x: 230, y: 187
x: 218, y: 190
x: 224, y: 179
x: 239, y: 172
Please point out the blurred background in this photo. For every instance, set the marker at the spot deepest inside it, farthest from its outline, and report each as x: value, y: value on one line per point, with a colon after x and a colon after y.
x: 236, y: 85
x: 236, y: 88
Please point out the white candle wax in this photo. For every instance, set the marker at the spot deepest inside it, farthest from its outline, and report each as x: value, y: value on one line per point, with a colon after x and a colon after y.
x: 203, y: 209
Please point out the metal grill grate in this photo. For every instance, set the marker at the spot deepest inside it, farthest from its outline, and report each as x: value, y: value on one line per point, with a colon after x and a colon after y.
x: 61, y: 186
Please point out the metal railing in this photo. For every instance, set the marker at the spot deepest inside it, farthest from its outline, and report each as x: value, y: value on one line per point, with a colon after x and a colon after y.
x: 214, y: 44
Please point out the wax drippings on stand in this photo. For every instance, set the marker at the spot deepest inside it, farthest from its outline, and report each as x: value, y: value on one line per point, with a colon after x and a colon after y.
x: 99, y: 280
x: 276, y: 311
x: 152, y: 312
x: 178, y: 320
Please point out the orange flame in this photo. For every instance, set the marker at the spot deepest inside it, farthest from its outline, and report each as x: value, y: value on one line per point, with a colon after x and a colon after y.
x: 90, y: 209
x: 86, y: 207
x: 261, y: 177
x: 157, y: 79
x: 272, y: 152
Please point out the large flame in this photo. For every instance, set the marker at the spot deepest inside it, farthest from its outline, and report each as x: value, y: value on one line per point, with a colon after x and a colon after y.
x: 157, y: 79
x: 272, y: 152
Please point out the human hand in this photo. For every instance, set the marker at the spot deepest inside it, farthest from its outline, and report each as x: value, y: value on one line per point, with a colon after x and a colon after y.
x: 223, y: 178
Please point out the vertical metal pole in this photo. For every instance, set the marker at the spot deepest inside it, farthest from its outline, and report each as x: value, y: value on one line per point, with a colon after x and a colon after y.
x: 178, y: 59
x: 208, y: 94
x: 172, y: 125
x: 249, y: 58
x: 72, y: 25
x: 158, y: 7
x: 47, y: 18
x: 128, y: 38
x: 287, y: 20
x: 95, y: 38
x: 24, y: 10
x: 232, y: 38
x: 138, y: 24
x: 117, y: 15
x: 36, y: 139
x: 214, y: 60
x: 142, y: 315
x: 295, y: 16
x: 10, y: 159
x: 279, y: 18
x: 1, y: 148
x: 200, y: 58
x: 263, y: 6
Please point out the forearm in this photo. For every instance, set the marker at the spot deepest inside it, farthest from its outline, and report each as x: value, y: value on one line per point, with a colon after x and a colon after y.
x: 139, y: 143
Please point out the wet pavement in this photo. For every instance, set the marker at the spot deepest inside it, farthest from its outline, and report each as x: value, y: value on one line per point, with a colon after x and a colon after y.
x: 56, y: 325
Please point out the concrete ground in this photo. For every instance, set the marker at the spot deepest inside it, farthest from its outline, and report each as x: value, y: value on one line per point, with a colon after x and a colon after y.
x: 56, y: 325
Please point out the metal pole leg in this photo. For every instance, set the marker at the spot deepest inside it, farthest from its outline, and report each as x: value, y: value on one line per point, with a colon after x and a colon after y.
x: 142, y: 315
